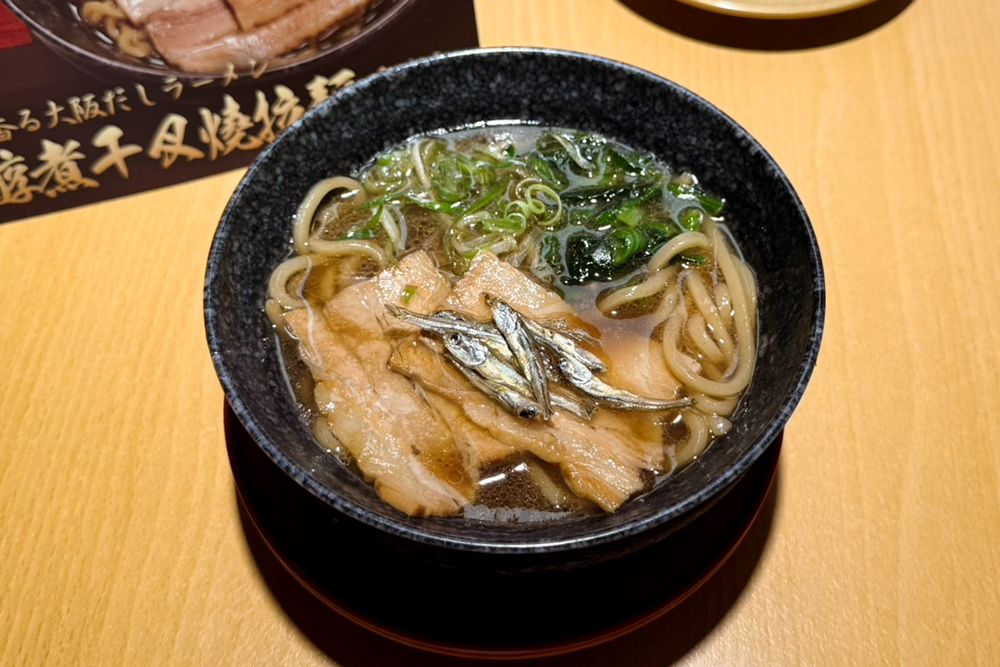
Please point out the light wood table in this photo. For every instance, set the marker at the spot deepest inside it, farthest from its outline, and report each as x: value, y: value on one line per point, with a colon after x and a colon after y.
x: 120, y: 541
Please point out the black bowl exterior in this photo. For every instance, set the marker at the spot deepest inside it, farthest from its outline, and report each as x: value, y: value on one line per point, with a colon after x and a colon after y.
x: 550, y: 88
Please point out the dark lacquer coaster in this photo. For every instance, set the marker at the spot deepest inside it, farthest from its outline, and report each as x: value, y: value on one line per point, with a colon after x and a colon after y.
x: 498, y: 616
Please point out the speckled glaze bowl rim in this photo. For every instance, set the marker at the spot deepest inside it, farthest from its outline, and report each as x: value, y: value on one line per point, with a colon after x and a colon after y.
x: 686, y: 510
x: 148, y: 72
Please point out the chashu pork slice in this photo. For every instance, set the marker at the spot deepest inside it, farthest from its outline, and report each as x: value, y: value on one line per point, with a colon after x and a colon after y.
x: 251, y: 13
x: 636, y: 364
x: 397, y: 439
x: 415, y: 283
x: 490, y: 274
x: 421, y: 357
x: 138, y: 11
x: 603, y: 460
x: 242, y: 49
x: 181, y: 26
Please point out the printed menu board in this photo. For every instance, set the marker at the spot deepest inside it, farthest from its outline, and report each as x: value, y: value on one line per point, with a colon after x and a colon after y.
x: 81, y: 122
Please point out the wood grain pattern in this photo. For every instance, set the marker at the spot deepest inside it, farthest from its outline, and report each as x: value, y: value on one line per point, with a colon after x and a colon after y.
x: 119, y: 536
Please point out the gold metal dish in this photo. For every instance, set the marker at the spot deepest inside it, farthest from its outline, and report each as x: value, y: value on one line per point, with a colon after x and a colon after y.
x: 777, y: 9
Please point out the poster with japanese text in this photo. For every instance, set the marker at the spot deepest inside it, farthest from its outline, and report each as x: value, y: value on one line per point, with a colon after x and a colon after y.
x: 104, y: 98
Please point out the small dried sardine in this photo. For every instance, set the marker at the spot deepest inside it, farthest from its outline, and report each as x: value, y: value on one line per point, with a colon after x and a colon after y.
x: 583, y: 409
x: 485, y: 328
x: 583, y: 379
x: 436, y: 324
x: 514, y: 402
x: 502, y: 359
x: 445, y: 322
x: 484, y: 331
x: 564, y: 346
x: 522, y: 345
x: 578, y: 335
x: 474, y: 355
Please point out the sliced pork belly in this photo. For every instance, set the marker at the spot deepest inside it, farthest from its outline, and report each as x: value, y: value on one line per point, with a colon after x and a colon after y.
x: 183, y: 26
x: 419, y: 357
x: 397, y: 439
x: 251, y: 13
x: 635, y: 363
x: 360, y: 310
x: 382, y: 421
x: 415, y: 425
x: 138, y: 11
x: 243, y: 49
x: 489, y: 273
x: 602, y: 460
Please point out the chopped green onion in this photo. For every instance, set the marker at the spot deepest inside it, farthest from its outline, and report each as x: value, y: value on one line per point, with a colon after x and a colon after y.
x: 657, y: 233
x: 508, y: 224
x: 451, y: 177
x: 688, y: 258
x: 358, y: 233
x: 691, y: 219
x: 408, y: 293
x: 366, y: 231
x: 486, y: 198
x: 711, y: 204
x: 630, y: 215
x: 431, y: 205
x: 379, y: 201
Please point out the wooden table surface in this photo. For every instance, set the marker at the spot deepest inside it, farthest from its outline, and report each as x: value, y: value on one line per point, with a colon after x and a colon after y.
x: 120, y: 540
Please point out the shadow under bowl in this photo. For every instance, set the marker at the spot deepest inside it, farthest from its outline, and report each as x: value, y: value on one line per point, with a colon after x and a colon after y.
x: 548, y: 88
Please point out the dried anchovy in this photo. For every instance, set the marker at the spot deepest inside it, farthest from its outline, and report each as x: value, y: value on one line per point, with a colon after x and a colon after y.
x: 475, y: 355
x: 513, y: 401
x: 511, y: 325
x: 503, y: 360
x: 445, y: 322
x: 564, y: 346
x: 583, y: 379
x: 484, y: 331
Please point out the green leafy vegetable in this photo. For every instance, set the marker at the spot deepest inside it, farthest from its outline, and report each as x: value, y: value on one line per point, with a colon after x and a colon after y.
x: 595, y: 209
x: 712, y: 205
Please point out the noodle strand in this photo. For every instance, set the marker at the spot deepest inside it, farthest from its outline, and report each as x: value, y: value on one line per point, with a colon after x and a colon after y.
x: 303, y: 219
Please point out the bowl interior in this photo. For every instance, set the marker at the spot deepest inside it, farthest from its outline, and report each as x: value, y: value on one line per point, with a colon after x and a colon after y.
x: 547, y: 88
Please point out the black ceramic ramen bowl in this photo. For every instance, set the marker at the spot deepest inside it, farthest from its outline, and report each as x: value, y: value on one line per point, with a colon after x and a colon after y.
x: 57, y: 24
x: 550, y: 88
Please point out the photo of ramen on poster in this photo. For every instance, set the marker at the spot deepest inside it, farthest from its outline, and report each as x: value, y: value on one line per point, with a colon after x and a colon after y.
x: 104, y: 98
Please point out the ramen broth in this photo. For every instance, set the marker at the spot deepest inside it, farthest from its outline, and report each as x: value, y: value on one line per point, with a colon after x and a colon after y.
x: 603, y: 245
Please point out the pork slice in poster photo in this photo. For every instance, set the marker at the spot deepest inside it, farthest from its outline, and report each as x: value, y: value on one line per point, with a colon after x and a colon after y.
x: 103, y: 98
